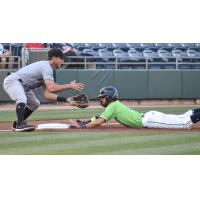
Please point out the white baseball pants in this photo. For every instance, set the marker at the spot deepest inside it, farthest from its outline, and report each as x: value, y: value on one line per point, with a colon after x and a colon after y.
x: 155, y: 119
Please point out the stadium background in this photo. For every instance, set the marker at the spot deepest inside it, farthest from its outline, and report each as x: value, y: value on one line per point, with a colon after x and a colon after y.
x: 140, y: 71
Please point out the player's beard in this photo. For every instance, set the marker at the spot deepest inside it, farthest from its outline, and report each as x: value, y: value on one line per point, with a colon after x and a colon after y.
x: 104, y: 104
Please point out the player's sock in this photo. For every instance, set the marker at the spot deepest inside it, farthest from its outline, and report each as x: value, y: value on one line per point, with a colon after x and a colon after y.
x: 195, y: 111
x: 195, y: 118
x: 20, y: 109
x: 27, y: 112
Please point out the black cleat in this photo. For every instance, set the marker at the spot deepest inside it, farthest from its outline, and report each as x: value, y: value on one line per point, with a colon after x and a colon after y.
x: 14, y: 125
x: 23, y: 127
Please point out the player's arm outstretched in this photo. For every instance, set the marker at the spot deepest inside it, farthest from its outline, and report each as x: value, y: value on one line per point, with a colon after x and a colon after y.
x: 88, y: 124
x: 54, y: 87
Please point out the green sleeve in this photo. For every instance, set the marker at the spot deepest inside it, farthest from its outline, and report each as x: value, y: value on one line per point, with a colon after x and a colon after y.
x: 109, y: 113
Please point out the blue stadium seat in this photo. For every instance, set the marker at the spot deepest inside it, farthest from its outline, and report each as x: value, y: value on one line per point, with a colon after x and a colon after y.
x: 105, y: 53
x: 181, y: 57
x: 167, y: 58
x: 108, y: 46
x: 175, y: 46
x: 177, y: 53
x: 136, y: 56
x: 162, y: 46
x: 188, y: 45
x: 106, y: 57
x: 152, y: 56
x: 120, y: 54
x: 122, y: 57
x: 121, y: 46
x: 194, y: 58
x: 89, y: 52
x: 135, y: 46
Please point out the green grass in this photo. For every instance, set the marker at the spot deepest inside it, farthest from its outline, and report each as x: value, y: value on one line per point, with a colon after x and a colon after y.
x: 83, y: 142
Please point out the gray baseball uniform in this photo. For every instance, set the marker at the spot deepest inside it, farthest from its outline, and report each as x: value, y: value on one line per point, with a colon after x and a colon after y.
x: 19, y: 85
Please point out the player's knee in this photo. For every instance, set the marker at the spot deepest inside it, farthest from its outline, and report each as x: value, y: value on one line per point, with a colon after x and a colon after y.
x: 35, y: 106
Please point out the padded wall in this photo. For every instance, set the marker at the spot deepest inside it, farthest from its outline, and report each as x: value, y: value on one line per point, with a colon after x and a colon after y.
x: 131, y: 84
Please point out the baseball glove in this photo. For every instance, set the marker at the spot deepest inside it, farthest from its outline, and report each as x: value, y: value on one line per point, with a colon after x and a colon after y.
x: 80, y: 101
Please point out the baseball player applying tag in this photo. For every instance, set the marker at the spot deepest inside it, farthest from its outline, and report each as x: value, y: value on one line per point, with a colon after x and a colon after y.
x: 19, y: 86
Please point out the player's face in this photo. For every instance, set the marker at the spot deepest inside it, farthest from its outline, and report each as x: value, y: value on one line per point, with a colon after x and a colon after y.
x: 56, y: 61
x: 103, y: 101
x: 59, y: 62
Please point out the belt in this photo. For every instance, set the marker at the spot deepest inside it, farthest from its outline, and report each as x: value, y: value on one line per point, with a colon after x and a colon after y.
x: 25, y: 87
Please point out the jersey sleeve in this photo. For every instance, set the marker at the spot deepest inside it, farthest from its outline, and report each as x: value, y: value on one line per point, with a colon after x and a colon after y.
x: 47, y: 73
x: 109, y: 113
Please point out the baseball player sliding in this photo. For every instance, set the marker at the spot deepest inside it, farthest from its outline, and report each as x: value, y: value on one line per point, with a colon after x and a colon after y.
x: 19, y: 87
x: 153, y: 119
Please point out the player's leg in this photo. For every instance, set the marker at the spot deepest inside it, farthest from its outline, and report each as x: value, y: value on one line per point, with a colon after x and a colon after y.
x: 155, y: 119
x: 32, y: 104
x: 16, y: 92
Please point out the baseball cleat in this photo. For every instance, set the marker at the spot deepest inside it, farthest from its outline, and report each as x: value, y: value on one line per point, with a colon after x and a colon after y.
x: 23, y: 127
x: 14, y: 125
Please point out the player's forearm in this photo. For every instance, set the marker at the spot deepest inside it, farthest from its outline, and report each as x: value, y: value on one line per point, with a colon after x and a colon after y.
x: 58, y: 88
x: 95, y: 123
x: 50, y: 96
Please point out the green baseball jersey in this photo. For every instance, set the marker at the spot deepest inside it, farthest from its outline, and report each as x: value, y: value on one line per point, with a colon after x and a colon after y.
x: 124, y: 115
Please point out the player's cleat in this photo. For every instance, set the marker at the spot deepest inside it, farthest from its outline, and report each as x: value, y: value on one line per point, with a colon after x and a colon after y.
x: 14, y: 125
x: 23, y: 127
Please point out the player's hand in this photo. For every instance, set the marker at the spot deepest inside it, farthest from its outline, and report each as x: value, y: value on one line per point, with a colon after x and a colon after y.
x: 77, y: 86
x: 74, y: 124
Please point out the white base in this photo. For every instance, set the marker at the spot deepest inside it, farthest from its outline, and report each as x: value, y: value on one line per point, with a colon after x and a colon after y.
x: 53, y: 126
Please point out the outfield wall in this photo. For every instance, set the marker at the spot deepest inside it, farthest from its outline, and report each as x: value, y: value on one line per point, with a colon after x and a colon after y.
x: 131, y: 84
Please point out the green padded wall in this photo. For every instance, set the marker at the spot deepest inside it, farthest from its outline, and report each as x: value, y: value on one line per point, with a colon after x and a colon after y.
x: 94, y: 80
x: 131, y: 85
x: 191, y: 84
x: 164, y: 84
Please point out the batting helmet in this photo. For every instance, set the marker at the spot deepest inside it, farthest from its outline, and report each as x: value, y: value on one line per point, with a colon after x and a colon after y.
x: 109, y: 92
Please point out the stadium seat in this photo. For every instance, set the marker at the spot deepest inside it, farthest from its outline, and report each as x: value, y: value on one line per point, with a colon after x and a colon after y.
x: 120, y: 54
x: 149, y: 54
x: 135, y: 46
x: 192, y: 53
x: 81, y: 46
x: 194, y: 58
x: 147, y: 46
x: 121, y: 46
x: 177, y: 53
x: 108, y: 46
x: 152, y: 56
x: 162, y: 46
x: 89, y: 52
x: 105, y: 53
x: 167, y: 58
x: 175, y: 46
x: 136, y: 56
x: 181, y: 57
x: 121, y: 57
x: 106, y: 57
x: 188, y: 45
